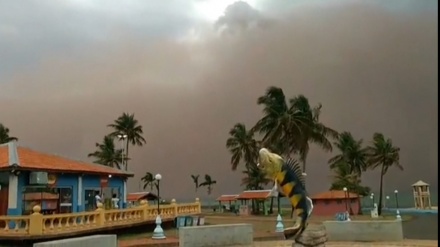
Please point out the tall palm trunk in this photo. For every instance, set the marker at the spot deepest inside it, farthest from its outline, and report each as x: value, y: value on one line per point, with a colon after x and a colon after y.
x: 126, y: 156
x: 379, y: 208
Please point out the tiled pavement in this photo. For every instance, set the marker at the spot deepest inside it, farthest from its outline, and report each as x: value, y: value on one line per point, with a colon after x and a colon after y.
x: 173, y: 242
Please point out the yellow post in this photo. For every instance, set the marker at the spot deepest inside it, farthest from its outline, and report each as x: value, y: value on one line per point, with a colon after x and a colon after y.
x: 101, y: 216
x: 174, y: 204
x: 36, y: 221
x: 199, y: 206
x: 144, y: 206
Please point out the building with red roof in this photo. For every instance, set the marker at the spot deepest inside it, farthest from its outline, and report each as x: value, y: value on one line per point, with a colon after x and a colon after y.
x: 335, y: 201
x: 29, y: 177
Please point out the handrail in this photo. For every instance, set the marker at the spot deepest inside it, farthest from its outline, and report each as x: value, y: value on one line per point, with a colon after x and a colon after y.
x: 39, y: 224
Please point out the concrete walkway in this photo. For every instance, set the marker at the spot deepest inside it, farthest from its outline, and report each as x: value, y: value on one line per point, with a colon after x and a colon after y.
x: 172, y: 242
x: 414, y: 243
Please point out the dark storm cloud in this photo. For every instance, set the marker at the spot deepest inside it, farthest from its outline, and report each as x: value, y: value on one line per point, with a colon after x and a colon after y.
x: 373, y: 68
x: 240, y: 16
x: 31, y: 31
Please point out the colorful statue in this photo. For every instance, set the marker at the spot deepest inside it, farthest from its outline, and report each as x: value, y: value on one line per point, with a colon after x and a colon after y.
x: 290, y: 181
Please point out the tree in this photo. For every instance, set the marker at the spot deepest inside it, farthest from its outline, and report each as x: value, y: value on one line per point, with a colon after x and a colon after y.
x: 289, y: 126
x: 349, y: 165
x: 107, y: 154
x: 209, y: 182
x: 4, y: 135
x: 343, y: 177
x: 195, y: 179
x: 351, y: 153
x: 255, y: 178
x: 242, y: 145
x: 148, y: 180
x: 126, y: 124
x: 316, y: 132
x: 384, y: 155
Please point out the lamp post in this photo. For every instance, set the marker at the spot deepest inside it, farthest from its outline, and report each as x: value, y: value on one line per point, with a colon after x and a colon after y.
x: 397, y: 205
x: 345, y: 196
x: 122, y: 138
x: 372, y: 198
x: 158, y: 231
x: 386, y: 202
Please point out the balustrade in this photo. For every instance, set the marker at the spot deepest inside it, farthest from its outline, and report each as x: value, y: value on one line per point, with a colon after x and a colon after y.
x: 39, y: 224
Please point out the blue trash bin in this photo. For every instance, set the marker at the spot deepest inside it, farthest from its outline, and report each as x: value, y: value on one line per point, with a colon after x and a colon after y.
x: 180, y: 221
x: 195, y: 221
x: 189, y: 221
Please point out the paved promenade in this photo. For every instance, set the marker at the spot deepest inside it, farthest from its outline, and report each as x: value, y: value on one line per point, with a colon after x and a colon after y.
x: 173, y: 242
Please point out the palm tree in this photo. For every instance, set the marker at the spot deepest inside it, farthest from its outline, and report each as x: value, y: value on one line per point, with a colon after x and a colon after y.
x: 316, y: 132
x: 289, y: 126
x: 126, y: 124
x: 384, y: 155
x: 195, y: 179
x: 208, y: 183
x: 351, y: 153
x: 242, y: 145
x: 107, y: 154
x: 344, y: 178
x: 278, y: 124
x: 349, y: 165
x: 4, y: 135
x: 148, y: 180
x: 255, y: 178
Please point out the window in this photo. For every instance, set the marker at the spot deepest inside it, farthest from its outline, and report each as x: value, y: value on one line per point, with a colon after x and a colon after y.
x: 65, y: 200
x: 51, y: 200
x: 339, y: 201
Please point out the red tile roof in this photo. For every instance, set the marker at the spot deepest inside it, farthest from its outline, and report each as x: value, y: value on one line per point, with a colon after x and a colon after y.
x: 254, y: 194
x: 29, y: 159
x: 227, y: 198
x: 334, y: 194
x: 137, y: 196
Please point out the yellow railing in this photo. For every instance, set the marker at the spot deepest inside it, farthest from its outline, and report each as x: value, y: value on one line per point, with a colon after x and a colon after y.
x: 39, y: 224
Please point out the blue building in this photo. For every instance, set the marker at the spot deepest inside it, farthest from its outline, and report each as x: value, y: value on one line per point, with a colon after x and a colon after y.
x: 57, y: 184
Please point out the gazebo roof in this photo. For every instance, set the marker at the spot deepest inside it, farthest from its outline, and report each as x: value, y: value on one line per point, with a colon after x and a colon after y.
x: 227, y: 198
x: 255, y: 194
x: 420, y: 183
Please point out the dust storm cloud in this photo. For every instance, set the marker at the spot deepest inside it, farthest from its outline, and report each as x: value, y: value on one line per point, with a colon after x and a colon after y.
x: 374, y: 68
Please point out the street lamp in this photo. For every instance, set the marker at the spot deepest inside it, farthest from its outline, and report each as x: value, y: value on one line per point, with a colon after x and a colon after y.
x: 345, y: 196
x: 397, y: 205
x: 158, y: 231
x: 386, y: 202
x: 158, y: 177
x: 123, y: 137
x: 372, y: 198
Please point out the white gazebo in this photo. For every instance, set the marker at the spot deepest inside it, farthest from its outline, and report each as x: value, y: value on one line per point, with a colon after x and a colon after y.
x: 422, y: 196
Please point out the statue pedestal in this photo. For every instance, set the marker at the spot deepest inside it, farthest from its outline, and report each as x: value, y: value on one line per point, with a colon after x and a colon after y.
x: 313, y: 236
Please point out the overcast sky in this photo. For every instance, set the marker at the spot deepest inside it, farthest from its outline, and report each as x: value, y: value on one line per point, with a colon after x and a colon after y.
x: 191, y: 69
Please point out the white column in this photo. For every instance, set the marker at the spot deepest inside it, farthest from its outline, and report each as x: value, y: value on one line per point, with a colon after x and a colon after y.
x: 80, y: 190
x: 124, y: 198
x: 13, y: 189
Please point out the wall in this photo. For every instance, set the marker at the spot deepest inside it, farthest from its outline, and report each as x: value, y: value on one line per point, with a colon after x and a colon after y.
x: 89, y: 241
x: 368, y: 230
x: 15, y: 193
x: 94, y: 182
x: 331, y: 207
x: 78, y: 185
x: 216, y: 235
